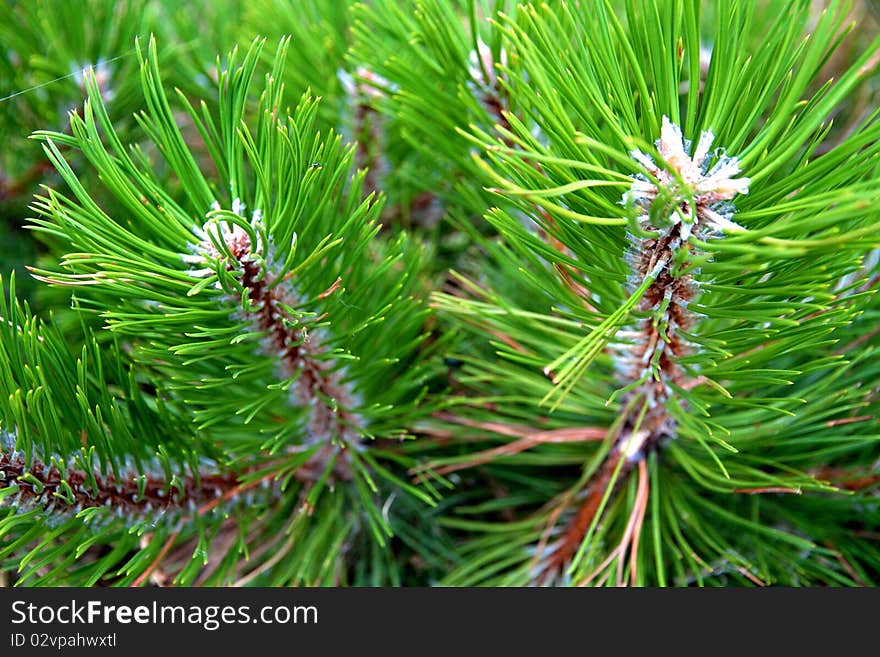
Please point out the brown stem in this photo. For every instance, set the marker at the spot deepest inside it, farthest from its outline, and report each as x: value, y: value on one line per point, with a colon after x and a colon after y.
x: 299, y: 355
x: 567, y: 545
x: 656, y: 352
x: 121, y: 494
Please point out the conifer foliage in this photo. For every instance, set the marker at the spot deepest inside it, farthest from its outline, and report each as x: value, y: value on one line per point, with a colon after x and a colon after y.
x: 576, y: 293
x: 265, y: 327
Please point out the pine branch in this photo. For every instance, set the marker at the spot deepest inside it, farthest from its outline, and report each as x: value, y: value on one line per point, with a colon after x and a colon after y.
x: 655, y: 361
x: 44, y: 486
x: 691, y: 324
x: 292, y: 337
